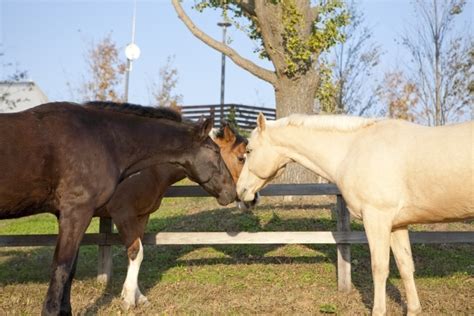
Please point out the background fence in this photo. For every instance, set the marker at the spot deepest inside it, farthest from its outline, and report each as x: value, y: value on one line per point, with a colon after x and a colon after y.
x: 244, y: 116
x: 342, y: 237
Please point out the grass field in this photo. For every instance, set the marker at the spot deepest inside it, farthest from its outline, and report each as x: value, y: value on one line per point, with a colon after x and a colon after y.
x: 244, y: 279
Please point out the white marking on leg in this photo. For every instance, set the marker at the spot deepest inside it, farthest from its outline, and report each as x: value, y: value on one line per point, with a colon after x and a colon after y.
x: 131, y: 293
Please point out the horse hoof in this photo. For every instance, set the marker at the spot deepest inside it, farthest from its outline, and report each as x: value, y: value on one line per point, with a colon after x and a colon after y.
x: 126, y: 305
x: 378, y: 313
x: 143, y: 301
x: 414, y: 312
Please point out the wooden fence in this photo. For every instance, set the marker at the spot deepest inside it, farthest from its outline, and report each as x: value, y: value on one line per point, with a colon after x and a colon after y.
x: 245, y: 116
x: 343, y: 237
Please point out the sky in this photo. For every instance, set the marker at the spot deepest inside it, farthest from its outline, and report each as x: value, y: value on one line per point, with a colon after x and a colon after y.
x: 49, y: 39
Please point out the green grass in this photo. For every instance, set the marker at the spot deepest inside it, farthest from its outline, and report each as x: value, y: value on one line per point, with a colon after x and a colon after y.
x: 38, y: 224
x: 238, y: 279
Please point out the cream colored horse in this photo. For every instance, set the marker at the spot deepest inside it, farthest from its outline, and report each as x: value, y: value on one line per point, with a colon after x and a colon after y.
x: 391, y: 173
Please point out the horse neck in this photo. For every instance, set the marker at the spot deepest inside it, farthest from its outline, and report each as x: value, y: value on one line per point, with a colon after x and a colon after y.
x: 150, y: 142
x: 321, y: 151
x: 168, y: 174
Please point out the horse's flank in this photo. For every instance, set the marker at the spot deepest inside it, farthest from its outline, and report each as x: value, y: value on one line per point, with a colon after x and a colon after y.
x: 424, y: 174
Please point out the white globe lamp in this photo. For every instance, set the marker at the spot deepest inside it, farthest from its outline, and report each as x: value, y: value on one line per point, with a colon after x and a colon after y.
x: 132, y: 51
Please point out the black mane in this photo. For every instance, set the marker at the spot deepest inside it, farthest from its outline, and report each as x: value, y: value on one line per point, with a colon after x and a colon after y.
x: 133, y: 109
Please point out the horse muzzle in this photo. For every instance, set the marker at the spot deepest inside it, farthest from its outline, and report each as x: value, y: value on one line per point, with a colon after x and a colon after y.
x: 226, y: 198
x: 247, y: 206
x: 246, y: 196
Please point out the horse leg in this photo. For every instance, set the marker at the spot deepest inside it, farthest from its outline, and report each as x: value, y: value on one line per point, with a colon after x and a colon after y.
x: 377, y: 226
x: 131, y: 293
x: 66, y: 299
x: 72, y: 225
x: 131, y: 229
x: 65, y: 306
x: 400, y: 242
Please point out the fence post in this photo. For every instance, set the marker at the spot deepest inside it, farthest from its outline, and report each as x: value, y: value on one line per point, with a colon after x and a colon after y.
x: 105, y: 253
x: 343, y: 250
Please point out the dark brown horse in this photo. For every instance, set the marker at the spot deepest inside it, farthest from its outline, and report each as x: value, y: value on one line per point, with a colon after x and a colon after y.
x: 140, y: 194
x: 68, y: 159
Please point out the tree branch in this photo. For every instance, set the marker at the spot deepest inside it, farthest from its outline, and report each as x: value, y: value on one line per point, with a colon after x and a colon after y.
x: 246, y: 64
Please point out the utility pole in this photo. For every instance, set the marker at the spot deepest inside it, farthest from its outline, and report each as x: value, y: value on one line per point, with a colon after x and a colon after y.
x: 224, y: 26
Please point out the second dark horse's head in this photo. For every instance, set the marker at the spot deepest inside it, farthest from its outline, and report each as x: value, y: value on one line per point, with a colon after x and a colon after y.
x: 205, y: 165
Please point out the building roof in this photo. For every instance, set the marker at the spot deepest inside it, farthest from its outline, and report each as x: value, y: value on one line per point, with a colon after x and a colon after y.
x: 19, y: 96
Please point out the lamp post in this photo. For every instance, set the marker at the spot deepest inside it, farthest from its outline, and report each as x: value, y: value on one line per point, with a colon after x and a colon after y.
x: 132, y: 52
x: 224, y: 26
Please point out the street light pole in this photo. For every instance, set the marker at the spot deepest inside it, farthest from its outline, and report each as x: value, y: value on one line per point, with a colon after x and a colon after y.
x: 224, y: 26
x: 127, y: 78
x: 132, y: 52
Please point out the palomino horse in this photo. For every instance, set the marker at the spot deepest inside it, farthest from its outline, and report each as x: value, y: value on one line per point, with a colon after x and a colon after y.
x: 391, y: 173
x: 140, y: 194
x: 68, y: 159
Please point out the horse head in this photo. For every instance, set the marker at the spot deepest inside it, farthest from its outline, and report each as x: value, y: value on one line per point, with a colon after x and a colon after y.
x: 205, y: 165
x: 233, y: 150
x: 264, y: 162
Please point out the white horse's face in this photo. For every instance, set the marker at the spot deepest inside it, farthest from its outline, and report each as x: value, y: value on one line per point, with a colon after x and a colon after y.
x: 263, y: 163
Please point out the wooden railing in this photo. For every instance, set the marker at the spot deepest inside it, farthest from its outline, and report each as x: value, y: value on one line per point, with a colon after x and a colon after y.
x: 245, y: 116
x: 343, y: 237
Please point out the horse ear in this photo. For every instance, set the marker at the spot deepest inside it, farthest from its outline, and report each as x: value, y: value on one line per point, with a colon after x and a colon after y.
x: 229, y: 135
x: 261, y: 122
x: 209, y: 124
x: 204, y: 128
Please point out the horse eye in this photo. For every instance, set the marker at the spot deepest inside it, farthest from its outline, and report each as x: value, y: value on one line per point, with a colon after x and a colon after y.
x: 241, y: 159
x: 248, y: 151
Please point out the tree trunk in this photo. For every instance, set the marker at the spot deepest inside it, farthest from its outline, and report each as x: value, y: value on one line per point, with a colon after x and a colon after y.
x: 296, y: 96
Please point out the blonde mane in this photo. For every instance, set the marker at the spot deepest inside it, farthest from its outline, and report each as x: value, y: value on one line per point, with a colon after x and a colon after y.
x: 341, y: 123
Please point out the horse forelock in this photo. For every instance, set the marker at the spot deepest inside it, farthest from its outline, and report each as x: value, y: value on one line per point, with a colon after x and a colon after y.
x: 138, y: 110
x: 340, y: 123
